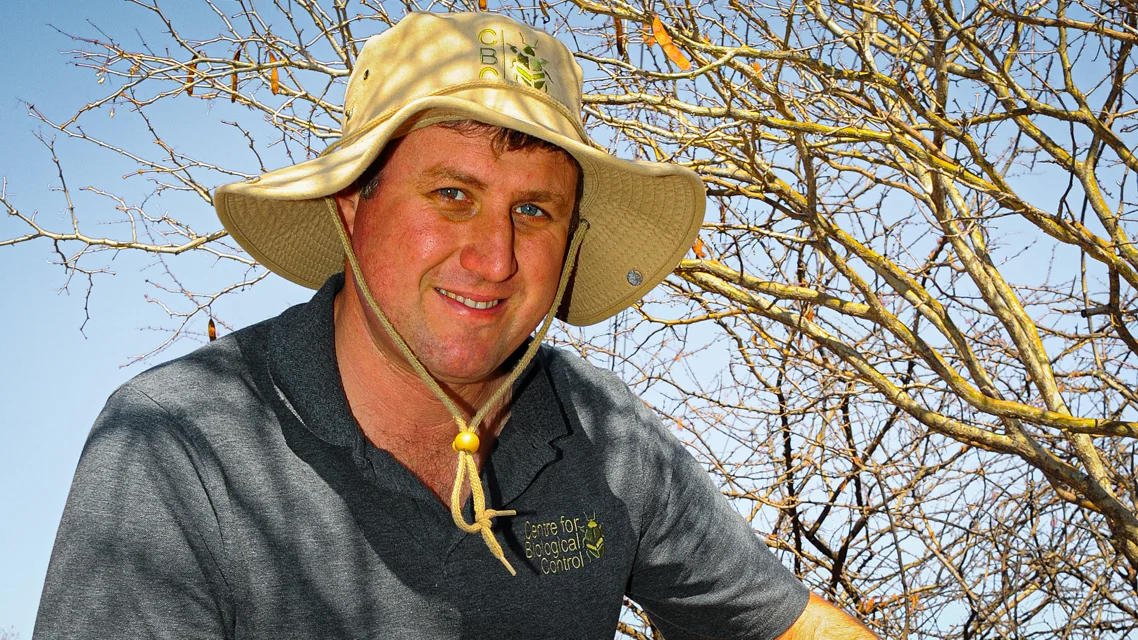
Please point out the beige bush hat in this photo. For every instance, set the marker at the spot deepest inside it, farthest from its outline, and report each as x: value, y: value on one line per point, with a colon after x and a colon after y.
x: 431, y: 68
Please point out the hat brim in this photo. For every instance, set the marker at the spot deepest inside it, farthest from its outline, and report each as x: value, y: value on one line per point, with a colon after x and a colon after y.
x: 643, y: 216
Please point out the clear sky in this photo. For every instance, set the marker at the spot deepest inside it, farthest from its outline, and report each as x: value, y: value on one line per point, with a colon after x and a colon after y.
x: 53, y: 380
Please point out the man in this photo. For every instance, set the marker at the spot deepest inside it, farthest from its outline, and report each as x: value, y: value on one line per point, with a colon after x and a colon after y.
x: 398, y: 457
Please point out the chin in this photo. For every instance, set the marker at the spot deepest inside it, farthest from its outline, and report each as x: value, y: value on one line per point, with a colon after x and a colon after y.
x: 462, y: 365
x: 463, y: 374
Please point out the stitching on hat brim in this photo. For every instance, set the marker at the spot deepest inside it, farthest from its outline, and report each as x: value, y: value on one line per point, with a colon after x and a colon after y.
x: 617, y: 295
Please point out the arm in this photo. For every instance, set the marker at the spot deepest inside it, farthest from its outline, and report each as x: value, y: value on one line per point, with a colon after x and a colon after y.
x: 700, y: 570
x: 821, y: 619
x: 136, y: 549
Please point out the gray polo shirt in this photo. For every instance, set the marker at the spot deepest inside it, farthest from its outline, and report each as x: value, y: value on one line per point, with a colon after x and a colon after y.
x: 230, y: 494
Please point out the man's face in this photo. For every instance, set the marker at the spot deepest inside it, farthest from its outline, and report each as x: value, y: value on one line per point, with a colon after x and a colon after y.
x: 462, y: 247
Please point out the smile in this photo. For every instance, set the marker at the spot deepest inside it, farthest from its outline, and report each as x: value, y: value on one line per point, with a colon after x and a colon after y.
x: 473, y: 304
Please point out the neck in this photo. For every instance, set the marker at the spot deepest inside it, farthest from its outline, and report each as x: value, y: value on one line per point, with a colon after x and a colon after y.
x: 394, y: 407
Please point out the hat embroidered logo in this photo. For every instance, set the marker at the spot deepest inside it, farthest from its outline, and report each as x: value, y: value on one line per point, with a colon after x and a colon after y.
x: 525, y: 67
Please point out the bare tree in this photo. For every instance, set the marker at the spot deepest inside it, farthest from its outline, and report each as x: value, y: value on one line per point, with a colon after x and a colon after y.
x: 901, y: 343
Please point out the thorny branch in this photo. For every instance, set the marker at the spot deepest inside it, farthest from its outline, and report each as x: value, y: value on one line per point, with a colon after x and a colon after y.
x: 902, y: 345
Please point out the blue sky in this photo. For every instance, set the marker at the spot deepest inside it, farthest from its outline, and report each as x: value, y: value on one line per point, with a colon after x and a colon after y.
x: 54, y: 379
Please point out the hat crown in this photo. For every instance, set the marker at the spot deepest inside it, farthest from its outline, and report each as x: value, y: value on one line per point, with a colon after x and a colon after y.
x: 432, y: 54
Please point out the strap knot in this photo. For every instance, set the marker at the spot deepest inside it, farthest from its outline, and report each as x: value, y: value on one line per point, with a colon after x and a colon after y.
x: 468, y: 472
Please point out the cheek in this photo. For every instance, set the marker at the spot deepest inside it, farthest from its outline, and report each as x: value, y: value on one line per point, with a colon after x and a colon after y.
x: 544, y: 260
x: 396, y: 249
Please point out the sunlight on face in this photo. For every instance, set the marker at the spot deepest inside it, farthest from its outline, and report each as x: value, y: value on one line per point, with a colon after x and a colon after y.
x: 462, y: 246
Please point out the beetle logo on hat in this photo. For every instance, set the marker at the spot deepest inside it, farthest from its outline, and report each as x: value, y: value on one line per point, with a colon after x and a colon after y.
x: 528, y: 68
x: 525, y: 67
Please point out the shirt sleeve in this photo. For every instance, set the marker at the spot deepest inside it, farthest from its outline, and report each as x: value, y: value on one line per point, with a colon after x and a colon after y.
x: 700, y: 571
x: 137, y: 548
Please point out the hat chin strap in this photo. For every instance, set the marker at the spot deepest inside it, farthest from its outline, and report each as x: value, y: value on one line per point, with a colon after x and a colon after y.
x: 466, y: 442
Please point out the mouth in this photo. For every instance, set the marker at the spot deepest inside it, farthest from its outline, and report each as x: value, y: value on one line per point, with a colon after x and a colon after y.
x: 473, y: 304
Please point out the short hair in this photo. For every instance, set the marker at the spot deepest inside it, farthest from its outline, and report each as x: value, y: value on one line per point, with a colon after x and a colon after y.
x: 502, y: 140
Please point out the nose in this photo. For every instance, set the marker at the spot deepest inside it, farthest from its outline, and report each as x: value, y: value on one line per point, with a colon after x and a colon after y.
x: 489, y: 248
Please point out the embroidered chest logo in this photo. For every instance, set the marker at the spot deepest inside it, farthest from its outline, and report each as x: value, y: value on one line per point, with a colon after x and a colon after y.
x: 564, y: 544
x: 517, y: 62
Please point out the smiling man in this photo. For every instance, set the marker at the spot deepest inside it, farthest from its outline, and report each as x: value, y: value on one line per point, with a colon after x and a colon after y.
x: 480, y: 234
x: 400, y: 457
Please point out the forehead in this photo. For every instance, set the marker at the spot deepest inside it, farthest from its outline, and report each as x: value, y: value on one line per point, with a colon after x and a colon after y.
x: 496, y: 140
x: 491, y: 154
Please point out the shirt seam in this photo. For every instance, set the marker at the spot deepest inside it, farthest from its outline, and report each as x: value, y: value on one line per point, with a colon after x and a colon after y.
x: 185, y: 431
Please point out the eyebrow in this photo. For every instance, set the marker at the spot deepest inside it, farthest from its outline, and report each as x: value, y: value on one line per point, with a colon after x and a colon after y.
x: 450, y: 173
x: 541, y: 195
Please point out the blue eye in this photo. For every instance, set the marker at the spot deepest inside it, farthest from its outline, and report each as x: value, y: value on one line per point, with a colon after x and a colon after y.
x: 530, y: 210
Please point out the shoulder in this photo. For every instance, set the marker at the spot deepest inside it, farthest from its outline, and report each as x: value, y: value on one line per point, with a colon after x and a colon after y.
x: 597, y: 396
x: 209, y: 381
x: 577, y: 378
x: 578, y: 370
x: 623, y: 431
x: 174, y: 428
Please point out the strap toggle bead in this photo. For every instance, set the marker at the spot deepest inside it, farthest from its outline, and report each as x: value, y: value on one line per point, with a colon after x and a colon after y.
x: 465, y: 441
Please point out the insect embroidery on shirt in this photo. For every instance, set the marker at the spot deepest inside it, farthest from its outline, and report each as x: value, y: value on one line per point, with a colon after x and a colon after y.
x: 594, y: 538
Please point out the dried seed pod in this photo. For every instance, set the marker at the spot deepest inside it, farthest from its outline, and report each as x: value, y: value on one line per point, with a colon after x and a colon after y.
x: 274, y: 76
x: 190, y: 76
x: 618, y: 26
x: 233, y: 77
x: 670, y: 49
x: 646, y: 36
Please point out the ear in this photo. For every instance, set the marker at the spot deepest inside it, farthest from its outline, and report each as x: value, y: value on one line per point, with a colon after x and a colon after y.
x: 347, y: 202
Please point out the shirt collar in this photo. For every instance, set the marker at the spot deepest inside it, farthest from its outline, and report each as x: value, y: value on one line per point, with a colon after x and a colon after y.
x: 302, y: 361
